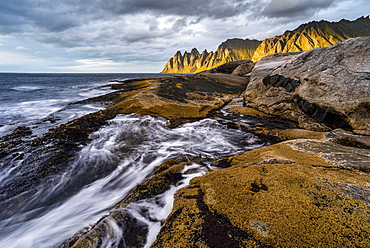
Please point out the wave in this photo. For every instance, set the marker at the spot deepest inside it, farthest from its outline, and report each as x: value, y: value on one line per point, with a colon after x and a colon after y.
x: 27, y: 88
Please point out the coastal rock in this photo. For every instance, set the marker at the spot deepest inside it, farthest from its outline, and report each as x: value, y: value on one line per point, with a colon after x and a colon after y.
x: 311, y: 189
x: 286, y: 195
x: 180, y: 97
x: 243, y: 69
x: 237, y: 68
x: 321, y: 89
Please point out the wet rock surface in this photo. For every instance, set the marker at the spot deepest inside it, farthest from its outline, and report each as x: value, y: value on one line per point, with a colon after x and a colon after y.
x: 193, y: 97
x: 43, y: 157
x: 182, y: 97
x: 132, y: 232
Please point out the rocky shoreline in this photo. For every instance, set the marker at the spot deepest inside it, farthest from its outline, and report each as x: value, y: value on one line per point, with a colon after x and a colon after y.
x: 309, y: 188
x: 310, y: 191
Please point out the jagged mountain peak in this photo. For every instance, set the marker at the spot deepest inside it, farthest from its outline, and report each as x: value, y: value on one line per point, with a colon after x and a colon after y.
x: 194, y: 51
x: 230, y: 50
x: 236, y: 42
x: 307, y: 36
x: 313, y: 35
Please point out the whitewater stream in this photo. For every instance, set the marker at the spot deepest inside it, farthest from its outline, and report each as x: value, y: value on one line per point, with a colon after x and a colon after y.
x: 132, y: 147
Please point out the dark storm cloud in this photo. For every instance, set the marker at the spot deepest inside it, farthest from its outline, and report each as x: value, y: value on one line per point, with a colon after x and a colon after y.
x: 293, y: 8
x: 101, y: 23
x: 204, y: 8
x: 180, y: 24
x: 11, y: 17
x: 23, y: 15
x: 60, y: 15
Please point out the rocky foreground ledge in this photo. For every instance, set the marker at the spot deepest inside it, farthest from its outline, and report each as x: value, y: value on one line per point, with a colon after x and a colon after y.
x: 310, y: 189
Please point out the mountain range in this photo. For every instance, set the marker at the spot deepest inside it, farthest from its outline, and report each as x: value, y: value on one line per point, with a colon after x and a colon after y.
x: 305, y: 37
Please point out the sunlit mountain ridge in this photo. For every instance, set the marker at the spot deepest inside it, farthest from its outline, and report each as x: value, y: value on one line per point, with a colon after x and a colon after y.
x: 305, y: 37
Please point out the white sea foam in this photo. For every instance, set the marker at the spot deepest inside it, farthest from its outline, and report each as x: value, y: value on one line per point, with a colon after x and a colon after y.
x: 153, y: 212
x: 26, y: 88
x: 88, y: 93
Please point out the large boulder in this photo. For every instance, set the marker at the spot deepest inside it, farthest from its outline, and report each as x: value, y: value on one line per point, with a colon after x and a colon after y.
x: 237, y: 68
x: 321, y: 89
x: 243, y: 69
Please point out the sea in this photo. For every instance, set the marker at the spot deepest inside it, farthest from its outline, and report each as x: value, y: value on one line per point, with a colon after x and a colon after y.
x: 27, y: 98
x: 130, y: 145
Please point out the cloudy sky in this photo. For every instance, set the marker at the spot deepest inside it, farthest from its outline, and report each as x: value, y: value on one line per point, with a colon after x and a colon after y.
x: 141, y: 35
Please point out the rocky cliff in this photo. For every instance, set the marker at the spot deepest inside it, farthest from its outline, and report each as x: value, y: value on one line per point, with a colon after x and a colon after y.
x: 313, y: 35
x: 305, y: 37
x: 230, y: 50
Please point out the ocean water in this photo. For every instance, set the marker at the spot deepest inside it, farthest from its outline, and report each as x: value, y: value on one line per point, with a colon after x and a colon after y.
x: 131, y: 146
x: 28, y: 98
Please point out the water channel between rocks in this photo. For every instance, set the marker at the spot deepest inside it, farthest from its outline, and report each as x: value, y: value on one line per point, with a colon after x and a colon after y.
x: 133, y: 146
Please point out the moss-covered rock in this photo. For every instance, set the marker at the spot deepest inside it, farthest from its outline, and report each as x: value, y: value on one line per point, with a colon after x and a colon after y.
x: 284, y: 195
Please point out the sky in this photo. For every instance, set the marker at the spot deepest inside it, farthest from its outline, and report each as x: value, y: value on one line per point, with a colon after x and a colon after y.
x: 131, y: 36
